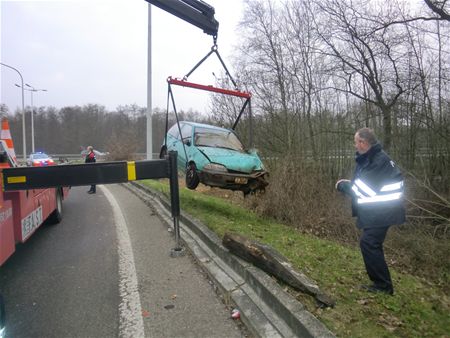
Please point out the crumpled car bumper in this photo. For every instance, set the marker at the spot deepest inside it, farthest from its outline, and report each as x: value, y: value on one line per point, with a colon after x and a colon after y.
x: 234, y: 181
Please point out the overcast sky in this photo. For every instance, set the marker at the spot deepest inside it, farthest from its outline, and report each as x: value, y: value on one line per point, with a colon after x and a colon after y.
x: 95, y: 51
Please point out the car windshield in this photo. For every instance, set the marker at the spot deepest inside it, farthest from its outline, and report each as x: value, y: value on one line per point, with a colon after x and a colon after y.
x: 40, y: 156
x: 205, y: 137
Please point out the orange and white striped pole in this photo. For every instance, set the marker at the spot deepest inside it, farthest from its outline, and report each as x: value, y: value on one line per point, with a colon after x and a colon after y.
x: 5, y: 134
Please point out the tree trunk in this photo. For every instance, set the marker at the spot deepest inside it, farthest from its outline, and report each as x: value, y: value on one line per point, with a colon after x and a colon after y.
x: 387, y: 127
x: 269, y: 260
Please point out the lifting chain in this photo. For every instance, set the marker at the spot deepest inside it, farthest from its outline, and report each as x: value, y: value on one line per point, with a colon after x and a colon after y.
x: 214, y: 49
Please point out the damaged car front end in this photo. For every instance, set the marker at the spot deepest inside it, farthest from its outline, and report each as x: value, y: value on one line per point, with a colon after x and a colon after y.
x: 245, y: 173
x: 215, y: 157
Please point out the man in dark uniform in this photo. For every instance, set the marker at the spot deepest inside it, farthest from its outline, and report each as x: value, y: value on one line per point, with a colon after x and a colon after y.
x: 90, y: 158
x: 377, y: 202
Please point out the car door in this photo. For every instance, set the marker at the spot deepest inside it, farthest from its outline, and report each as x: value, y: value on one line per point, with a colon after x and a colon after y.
x: 172, y: 136
x: 184, y: 144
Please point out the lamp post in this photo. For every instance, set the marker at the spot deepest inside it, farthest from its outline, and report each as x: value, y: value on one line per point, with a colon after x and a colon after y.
x: 23, y: 113
x: 149, y: 87
x: 32, y: 90
x: 32, y: 112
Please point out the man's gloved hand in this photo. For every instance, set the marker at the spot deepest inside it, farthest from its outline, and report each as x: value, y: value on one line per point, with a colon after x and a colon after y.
x: 343, y: 185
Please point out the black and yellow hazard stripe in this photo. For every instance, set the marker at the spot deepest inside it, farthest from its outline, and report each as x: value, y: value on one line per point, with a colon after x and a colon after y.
x: 131, y: 170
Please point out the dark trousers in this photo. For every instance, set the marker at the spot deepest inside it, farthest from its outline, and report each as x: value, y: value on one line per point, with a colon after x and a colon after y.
x: 371, y: 244
x: 92, y: 188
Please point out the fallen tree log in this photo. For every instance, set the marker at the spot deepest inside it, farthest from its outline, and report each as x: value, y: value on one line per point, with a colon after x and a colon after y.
x: 272, y: 262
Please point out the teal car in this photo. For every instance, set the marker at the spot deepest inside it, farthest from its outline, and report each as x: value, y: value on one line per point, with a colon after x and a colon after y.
x: 215, y: 157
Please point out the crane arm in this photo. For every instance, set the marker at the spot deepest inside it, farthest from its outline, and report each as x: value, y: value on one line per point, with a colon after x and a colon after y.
x: 196, y: 12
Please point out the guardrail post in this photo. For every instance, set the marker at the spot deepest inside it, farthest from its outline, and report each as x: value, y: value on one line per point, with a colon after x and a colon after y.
x: 175, y: 203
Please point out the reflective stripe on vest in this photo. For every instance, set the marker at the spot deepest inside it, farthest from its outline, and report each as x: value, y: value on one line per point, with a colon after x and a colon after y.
x: 393, y: 186
x: 380, y: 198
x: 359, y: 187
x: 365, y: 188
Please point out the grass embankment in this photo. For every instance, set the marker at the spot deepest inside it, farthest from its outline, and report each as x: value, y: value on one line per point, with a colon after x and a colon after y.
x: 417, y: 309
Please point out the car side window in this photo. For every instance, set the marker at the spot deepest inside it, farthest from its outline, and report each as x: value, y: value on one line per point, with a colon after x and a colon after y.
x: 174, y: 131
x: 186, y: 132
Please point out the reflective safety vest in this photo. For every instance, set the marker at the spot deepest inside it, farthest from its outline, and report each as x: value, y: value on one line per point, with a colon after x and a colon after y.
x: 388, y: 192
x: 377, y: 190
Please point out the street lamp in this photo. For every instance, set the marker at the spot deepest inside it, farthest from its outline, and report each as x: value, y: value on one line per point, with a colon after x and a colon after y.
x: 23, y: 113
x: 149, y: 87
x: 32, y: 112
x: 32, y: 90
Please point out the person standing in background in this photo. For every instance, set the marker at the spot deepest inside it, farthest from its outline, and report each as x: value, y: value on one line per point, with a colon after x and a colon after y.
x: 90, y: 158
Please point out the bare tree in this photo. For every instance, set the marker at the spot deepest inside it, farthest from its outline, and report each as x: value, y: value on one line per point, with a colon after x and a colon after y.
x: 262, y: 64
x: 440, y: 7
x: 365, y: 58
x: 301, y: 43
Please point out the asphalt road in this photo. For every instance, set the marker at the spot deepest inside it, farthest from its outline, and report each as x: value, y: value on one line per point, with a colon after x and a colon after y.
x: 105, y: 271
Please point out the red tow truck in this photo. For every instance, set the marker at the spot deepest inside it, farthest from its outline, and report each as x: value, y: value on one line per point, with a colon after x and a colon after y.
x: 22, y: 212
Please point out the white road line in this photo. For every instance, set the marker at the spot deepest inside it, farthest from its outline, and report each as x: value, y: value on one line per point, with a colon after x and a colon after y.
x: 130, y: 312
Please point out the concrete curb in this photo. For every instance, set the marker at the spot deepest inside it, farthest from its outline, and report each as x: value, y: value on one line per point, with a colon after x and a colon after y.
x: 266, y: 309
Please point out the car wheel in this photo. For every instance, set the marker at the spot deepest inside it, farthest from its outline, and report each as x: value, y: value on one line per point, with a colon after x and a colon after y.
x: 56, y: 216
x: 192, y: 179
x: 163, y: 153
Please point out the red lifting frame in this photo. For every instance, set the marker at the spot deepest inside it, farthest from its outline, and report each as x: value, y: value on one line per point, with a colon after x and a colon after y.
x: 184, y: 83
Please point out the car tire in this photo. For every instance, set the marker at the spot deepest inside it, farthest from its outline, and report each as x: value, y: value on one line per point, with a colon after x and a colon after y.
x: 163, y: 153
x: 192, y: 178
x: 56, y: 216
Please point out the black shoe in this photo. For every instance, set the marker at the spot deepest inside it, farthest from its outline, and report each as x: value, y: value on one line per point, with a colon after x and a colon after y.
x: 91, y: 192
x: 376, y: 289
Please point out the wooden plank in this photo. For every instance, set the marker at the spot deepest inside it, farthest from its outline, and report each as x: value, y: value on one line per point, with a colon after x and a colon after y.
x: 272, y: 262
